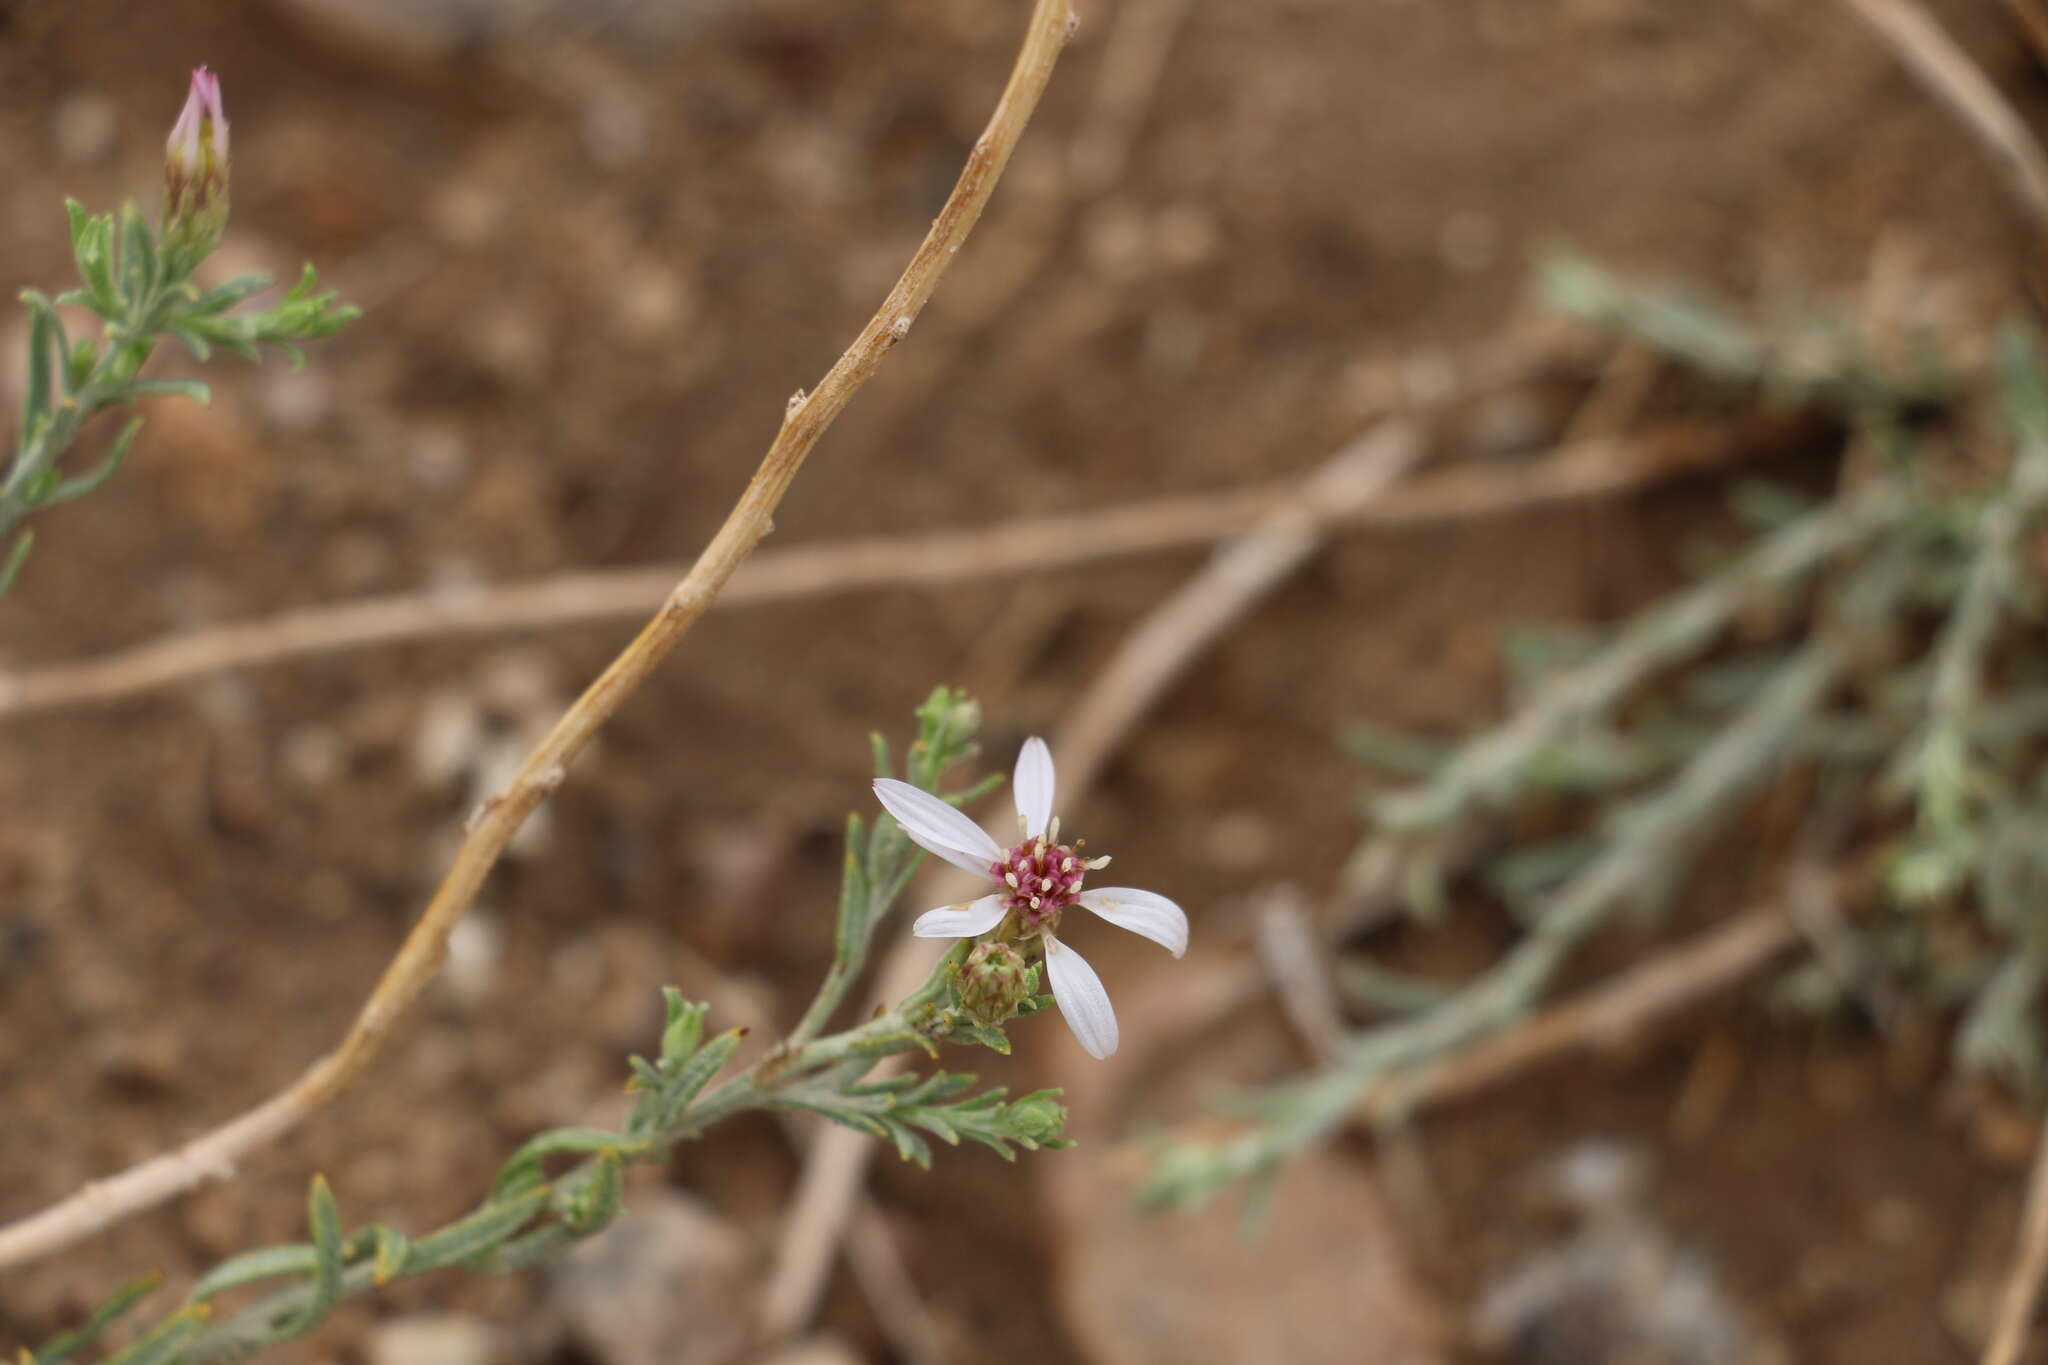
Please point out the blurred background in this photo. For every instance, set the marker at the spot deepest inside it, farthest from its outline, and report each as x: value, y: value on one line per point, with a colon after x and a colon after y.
x: 598, y: 245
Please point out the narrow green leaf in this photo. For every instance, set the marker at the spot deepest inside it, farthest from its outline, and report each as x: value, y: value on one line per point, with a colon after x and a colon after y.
x: 647, y: 1077
x: 855, y: 906
x: 139, y: 264
x: 525, y: 1163
x: 15, y: 557
x: 599, y: 1201
x: 683, y: 1031
x: 478, y: 1233
x: 65, y: 1345
x: 839, y: 1114
x: 994, y: 1039
x: 222, y: 297
x: 79, y: 365
x: 90, y: 235
x: 878, y: 747
x: 295, y: 1259
x: 166, y: 1341
x: 534, y: 1248
x: 666, y: 1105
x: 45, y: 339
x: 944, y: 1085
x: 67, y: 489
x: 394, y: 1248
x: 891, y: 1043
x: 910, y: 1146
x: 194, y: 389
x: 201, y: 349
x: 934, y: 1122
x: 2026, y: 388
x: 329, y: 1259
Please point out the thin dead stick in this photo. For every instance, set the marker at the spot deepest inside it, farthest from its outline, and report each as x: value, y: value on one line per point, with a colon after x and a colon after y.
x: 215, y: 1155
x: 1052, y: 183
x: 893, y: 1296
x: 1140, y: 39
x: 1957, y: 82
x: 1601, y: 1017
x: 828, y: 1192
x: 1033, y: 544
x: 1296, y: 963
x: 2030, y: 1265
x: 1151, y: 657
x: 1242, y: 572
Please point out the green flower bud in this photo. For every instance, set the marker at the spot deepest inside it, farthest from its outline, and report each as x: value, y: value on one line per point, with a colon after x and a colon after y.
x: 1039, y: 1116
x: 196, y: 177
x: 993, y: 982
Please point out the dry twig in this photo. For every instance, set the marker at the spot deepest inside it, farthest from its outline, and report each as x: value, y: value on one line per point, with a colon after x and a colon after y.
x: 1957, y: 82
x: 1032, y: 544
x: 1140, y: 39
x: 1243, y: 571
x: 1601, y: 1017
x: 214, y: 1155
x: 2030, y: 1266
x: 1296, y: 962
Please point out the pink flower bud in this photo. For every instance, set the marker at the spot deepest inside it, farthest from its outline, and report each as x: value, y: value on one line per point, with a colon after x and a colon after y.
x: 196, y: 175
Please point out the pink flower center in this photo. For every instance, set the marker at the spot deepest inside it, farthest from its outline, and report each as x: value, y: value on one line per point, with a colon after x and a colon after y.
x: 1039, y: 879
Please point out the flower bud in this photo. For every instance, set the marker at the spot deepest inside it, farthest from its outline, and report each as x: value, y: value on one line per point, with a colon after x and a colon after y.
x: 196, y: 177
x: 993, y: 983
x: 1039, y: 1117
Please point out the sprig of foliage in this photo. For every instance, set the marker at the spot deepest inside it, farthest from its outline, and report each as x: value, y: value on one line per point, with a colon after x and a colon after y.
x: 895, y: 1105
x: 1796, y: 355
x: 138, y: 283
x: 1659, y: 740
x: 569, y: 1183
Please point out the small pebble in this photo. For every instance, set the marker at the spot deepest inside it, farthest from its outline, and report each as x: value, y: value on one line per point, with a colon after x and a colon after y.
x: 437, y: 1339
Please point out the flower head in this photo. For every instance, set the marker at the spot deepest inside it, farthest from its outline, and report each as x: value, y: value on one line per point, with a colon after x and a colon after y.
x: 1034, y: 883
x: 196, y: 174
x: 994, y: 982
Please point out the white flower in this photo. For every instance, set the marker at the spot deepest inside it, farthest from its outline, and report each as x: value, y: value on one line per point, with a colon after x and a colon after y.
x: 1035, y: 881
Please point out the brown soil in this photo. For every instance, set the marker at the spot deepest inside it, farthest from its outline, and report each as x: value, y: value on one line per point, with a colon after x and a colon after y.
x: 578, y: 340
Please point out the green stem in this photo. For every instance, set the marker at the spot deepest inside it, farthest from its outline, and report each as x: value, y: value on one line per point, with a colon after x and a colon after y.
x: 899, y: 1030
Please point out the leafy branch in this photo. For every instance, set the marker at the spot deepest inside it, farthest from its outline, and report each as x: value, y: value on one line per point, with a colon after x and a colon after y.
x: 1660, y: 742
x: 141, y: 294
x: 568, y: 1184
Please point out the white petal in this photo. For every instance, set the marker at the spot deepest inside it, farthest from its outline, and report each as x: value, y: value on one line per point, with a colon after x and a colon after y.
x: 1032, y: 786
x: 937, y: 827
x: 961, y: 921
x: 1141, y: 912
x: 1077, y: 990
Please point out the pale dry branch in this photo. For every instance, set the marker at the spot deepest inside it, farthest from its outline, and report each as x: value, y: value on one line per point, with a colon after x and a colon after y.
x: 1242, y: 572
x: 805, y: 419
x: 1604, y: 1016
x: 885, y: 1282
x: 829, y: 1189
x: 1050, y: 183
x: 2022, y: 1293
x: 1296, y: 962
x: 1949, y: 74
x: 936, y: 559
x: 1133, y: 61
x: 1150, y: 658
